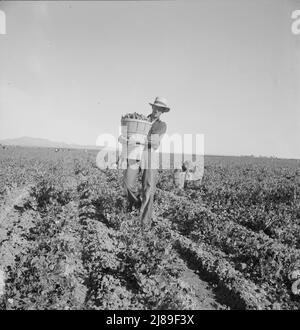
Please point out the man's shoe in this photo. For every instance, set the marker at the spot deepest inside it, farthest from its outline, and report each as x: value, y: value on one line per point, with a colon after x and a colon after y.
x: 139, y: 203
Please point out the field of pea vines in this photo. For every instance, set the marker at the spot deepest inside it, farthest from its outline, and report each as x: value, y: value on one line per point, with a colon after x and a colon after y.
x: 67, y: 242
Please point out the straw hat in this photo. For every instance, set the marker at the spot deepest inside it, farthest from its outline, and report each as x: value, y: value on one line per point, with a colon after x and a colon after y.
x: 162, y: 103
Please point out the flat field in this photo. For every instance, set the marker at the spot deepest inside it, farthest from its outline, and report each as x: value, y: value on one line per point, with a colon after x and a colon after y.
x: 67, y: 242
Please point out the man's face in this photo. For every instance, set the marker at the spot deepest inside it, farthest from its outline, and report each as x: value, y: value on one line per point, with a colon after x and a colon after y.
x: 156, y: 111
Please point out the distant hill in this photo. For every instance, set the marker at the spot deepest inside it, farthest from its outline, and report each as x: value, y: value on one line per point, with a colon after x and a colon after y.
x: 26, y: 141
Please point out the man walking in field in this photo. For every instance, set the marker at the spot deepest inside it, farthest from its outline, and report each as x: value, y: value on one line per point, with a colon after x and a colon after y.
x: 147, y: 165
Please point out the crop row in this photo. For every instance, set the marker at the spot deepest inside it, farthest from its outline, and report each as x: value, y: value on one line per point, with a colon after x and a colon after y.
x: 237, y: 292
x: 127, y: 269
x: 79, y: 252
x: 261, y: 259
x: 261, y: 199
x: 48, y: 274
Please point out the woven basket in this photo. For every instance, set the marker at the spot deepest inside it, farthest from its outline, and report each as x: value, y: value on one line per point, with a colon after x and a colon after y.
x: 135, y: 130
x: 135, y: 126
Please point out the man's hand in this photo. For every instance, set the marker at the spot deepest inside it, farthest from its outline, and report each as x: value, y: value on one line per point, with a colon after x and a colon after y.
x: 131, y: 141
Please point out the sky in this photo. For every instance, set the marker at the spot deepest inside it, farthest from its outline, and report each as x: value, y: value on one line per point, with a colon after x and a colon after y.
x: 229, y: 69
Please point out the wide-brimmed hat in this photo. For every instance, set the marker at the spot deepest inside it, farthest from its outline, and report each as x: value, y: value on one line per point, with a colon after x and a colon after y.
x: 162, y: 103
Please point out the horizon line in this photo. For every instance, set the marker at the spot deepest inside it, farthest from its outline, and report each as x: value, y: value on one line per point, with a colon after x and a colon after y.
x: 91, y: 147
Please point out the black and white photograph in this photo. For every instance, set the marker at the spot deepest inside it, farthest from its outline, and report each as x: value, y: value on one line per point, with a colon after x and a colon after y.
x: 150, y: 158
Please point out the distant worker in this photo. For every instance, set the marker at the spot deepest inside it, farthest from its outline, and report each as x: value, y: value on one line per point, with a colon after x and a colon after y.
x: 190, y: 176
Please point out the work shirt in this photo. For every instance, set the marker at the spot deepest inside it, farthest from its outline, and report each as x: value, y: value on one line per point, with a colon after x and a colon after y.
x: 158, y: 128
x: 150, y: 156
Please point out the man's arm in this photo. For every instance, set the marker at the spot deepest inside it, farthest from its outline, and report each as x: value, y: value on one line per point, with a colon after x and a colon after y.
x: 156, y: 136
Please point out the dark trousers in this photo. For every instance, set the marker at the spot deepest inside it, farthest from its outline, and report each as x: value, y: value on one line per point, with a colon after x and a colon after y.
x: 147, y: 193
